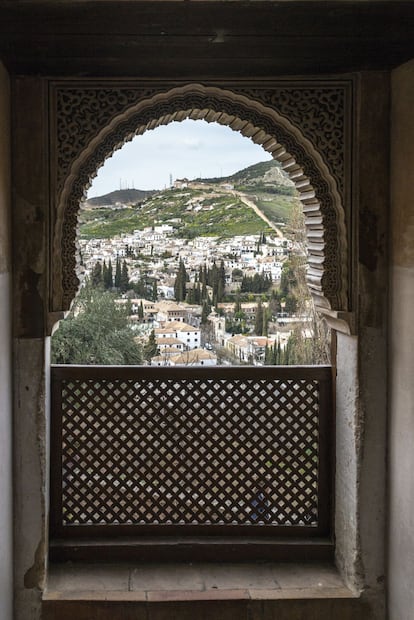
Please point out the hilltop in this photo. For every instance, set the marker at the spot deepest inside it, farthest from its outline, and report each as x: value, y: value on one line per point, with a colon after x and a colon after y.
x: 218, y: 207
x: 119, y: 196
x: 265, y: 175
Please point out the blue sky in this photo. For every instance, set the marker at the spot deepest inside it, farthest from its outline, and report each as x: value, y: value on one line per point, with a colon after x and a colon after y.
x: 187, y: 149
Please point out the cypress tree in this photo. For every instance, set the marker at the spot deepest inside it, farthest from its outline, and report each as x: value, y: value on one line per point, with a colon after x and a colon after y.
x: 259, y: 322
x: 265, y: 322
x: 110, y: 276
x: 237, y: 305
x: 204, y: 313
x: 221, y: 282
x: 107, y: 275
x: 275, y: 358
x: 267, y: 359
x: 117, y: 281
x: 204, y: 275
x: 104, y: 271
x: 203, y: 292
x: 141, y: 310
x: 280, y: 354
x: 180, y: 282
x: 124, y: 279
x: 150, y: 349
x: 197, y: 293
x: 96, y: 276
x: 190, y: 295
x: 154, y: 293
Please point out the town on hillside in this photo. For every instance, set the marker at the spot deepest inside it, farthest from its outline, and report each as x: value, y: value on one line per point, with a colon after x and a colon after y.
x: 195, y: 292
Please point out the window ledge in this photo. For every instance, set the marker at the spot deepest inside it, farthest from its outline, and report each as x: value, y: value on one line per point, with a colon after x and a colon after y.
x: 213, y: 591
x: 193, y: 582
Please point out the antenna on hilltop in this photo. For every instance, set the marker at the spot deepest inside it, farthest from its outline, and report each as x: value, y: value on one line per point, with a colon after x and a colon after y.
x: 171, y: 179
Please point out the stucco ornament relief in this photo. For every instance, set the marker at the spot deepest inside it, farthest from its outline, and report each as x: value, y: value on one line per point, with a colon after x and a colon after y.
x: 302, y: 127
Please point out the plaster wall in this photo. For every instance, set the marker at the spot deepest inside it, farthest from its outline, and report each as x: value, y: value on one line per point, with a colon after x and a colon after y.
x: 6, y: 514
x: 361, y: 396
x: 346, y: 505
x: 30, y: 223
x: 372, y: 159
x: 401, y: 350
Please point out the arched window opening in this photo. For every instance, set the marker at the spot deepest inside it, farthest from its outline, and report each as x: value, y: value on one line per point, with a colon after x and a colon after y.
x: 192, y: 451
x: 194, y: 266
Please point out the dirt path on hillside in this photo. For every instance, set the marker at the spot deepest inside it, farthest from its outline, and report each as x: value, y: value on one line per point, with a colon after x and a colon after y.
x: 249, y: 203
x: 244, y: 198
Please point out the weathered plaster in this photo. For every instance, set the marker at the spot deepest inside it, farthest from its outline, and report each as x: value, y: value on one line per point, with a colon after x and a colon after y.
x: 6, y: 512
x: 347, y: 441
x: 6, y: 501
x: 372, y: 158
x: 30, y: 209
x: 361, y: 362
x: 30, y: 473
x: 401, y: 350
x: 29, y: 221
x: 4, y: 171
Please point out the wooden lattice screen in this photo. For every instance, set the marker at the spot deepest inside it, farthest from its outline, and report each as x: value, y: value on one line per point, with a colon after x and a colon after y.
x: 217, y: 450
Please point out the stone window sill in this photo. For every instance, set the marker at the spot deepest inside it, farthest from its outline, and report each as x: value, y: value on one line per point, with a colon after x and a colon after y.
x: 193, y: 582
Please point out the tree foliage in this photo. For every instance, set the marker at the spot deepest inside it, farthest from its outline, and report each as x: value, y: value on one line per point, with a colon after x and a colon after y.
x: 107, y: 275
x: 124, y: 279
x: 96, y: 276
x: 151, y: 348
x: 96, y: 331
x: 309, y: 343
x: 117, y: 280
x: 259, y: 283
x: 180, y: 282
x: 259, y: 323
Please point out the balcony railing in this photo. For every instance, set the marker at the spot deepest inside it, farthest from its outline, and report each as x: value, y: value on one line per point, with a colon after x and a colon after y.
x: 232, y: 452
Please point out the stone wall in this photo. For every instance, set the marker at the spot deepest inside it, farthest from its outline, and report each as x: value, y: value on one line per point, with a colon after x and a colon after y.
x: 401, y: 349
x: 6, y: 517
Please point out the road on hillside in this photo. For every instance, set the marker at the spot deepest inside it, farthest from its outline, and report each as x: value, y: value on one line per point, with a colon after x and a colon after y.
x: 249, y: 203
x: 243, y: 197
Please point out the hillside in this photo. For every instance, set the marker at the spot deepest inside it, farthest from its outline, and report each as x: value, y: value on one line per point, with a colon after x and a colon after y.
x: 119, y: 196
x: 206, y: 207
x: 266, y: 176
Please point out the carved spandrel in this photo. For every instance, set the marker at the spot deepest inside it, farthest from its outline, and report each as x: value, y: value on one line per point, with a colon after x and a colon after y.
x: 318, y: 112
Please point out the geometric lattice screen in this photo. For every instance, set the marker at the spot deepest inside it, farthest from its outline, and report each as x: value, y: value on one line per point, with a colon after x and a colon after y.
x: 188, y: 447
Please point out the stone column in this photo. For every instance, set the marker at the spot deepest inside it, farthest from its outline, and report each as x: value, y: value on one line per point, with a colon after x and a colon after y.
x: 6, y: 500
x: 401, y: 349
x: 30, y: 252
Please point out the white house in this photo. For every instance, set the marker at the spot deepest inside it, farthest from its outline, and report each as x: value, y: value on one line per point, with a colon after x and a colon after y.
x: 187, y: 334
x: 196, y: 357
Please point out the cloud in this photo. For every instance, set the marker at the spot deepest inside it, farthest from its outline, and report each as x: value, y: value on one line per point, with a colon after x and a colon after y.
x: 194, y: 144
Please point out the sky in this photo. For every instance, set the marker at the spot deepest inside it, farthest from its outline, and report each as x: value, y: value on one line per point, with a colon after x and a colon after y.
x: 189, y: 149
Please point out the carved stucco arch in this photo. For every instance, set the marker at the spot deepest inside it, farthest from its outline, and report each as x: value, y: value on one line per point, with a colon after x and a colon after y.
x: 317, y: 186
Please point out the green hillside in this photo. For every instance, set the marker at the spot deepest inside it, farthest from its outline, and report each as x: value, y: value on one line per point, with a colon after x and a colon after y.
x: 208, y: 209
x: 265, y: 176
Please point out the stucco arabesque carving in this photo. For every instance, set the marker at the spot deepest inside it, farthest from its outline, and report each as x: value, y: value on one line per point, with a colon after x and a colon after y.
x: 304, y: 128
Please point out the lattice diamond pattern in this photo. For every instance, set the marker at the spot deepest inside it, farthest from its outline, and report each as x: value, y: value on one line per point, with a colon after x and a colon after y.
x: 193, y: 451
